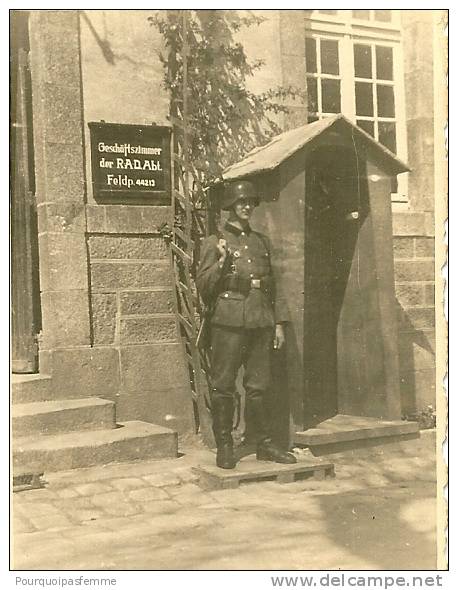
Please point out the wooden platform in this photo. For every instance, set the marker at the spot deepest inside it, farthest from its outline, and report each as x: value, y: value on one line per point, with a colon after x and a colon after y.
x: 341, y: 431
x: 249, y: 470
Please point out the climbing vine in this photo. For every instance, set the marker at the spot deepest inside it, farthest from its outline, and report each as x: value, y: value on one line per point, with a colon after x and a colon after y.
x: 226, y: 119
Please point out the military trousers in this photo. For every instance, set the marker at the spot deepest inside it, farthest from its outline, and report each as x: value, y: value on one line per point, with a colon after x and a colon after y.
x: 251, y: 348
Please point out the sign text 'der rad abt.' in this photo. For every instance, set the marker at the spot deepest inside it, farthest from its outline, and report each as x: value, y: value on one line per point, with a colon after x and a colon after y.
x: 130, y: 163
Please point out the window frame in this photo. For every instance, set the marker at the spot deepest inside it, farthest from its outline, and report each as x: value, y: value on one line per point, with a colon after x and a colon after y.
x: 349, y: 31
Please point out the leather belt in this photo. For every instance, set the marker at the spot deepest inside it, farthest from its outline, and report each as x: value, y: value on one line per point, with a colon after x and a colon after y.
x: 244, y: 285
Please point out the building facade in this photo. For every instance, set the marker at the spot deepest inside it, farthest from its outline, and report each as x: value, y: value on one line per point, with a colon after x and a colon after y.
x: 101, y: 310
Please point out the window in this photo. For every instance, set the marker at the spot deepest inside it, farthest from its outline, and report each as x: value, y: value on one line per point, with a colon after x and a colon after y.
x: 323, y: 80
x: 372, y: 15
x: 355, y: 68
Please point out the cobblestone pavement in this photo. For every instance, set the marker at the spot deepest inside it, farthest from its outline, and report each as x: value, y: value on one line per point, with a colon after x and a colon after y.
x: 378, y: 513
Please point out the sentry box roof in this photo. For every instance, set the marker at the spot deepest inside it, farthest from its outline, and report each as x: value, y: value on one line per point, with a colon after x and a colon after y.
x: 283, y: 146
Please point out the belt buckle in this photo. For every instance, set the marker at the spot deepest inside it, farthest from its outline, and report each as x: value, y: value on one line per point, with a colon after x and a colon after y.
x: 255, y: 283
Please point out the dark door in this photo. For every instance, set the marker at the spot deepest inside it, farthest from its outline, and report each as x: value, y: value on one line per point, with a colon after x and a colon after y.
x: 331, y: 203
x: 26, y: 322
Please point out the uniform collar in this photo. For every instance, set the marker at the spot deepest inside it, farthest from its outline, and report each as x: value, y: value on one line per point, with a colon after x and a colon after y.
x: 235, y: 230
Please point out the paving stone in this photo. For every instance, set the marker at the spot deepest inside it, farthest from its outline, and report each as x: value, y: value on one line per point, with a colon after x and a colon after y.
x: 37, y: 509
x: 163, y: 479
x: 187, y: 475
x: 69, y: 505
x: 186, y: 490
x: 21, y: 525
x: 90, y: 489
x: 67, y: 493
x: 160, y: 507
x: 51, y: 522
x: 148, y: 494
x: 87, y: 527
x: 109, y: 498
x: 89, y: 514
x: 128, y: 483
x: 39, y: 495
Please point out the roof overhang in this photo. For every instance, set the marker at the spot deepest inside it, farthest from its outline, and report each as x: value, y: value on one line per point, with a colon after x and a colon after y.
x: 268, y: 157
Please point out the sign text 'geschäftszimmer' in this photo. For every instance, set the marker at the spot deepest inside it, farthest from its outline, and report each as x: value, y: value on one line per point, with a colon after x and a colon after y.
x: 130, y: 162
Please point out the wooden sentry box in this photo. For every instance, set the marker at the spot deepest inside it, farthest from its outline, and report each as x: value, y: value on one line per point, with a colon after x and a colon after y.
x: 325, y: 192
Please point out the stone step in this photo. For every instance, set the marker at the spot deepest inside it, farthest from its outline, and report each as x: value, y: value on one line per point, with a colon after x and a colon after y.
x: 30, y: 388
x: 61, y: 416
x: 129, y: 441
x: 345, y: 432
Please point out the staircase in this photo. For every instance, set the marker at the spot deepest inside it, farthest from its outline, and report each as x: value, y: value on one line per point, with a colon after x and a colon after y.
x: 55, y: 435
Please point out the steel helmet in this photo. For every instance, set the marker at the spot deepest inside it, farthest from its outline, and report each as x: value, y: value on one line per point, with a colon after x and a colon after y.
x: 238, y: 189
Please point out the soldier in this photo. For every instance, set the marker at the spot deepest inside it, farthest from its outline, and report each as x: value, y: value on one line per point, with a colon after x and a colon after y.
x: 235, y: 280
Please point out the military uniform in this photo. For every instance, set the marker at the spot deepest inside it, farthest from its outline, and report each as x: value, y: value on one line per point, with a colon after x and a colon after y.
x: 246, y: 304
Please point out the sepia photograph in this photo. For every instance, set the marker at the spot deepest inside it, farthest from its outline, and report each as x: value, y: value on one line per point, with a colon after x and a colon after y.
x: 228, y: 340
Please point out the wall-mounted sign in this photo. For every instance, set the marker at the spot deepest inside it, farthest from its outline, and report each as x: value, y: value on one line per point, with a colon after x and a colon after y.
x: 130, y: 163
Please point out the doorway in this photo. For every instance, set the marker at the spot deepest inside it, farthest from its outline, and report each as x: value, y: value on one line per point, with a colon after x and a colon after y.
x: 336, y: 204
x: 26, y: 313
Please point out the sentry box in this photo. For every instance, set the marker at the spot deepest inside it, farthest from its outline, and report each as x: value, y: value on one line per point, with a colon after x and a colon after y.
x: 325, y: 192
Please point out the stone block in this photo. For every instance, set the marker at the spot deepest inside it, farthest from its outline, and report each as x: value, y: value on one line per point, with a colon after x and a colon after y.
x: 85, y: 372
x: 61, y: 43
x: 146, y: 302
x: 64, y: 173
x: 171, y: 408
x: 421, y: 188
x: 403, y: 248
x: 63, y: 262
x: 95, y: 215
x: 61, y: 217
x: 424, y: 247
x: 291, y: 35
x: 30, y: 388
x: 419, y: 94
x: 414, y: 270
x: 410, y: 294
x: 63, y: 114
x: 417, y: 318
x: 418, y: 389
x: 295, y: 73
x: 127, y: 247
x: 153, y: 367
x: 106, y: 276
x: 414, y: 353
x: 430, y: 297
x: 131, y: 441
x: 408, y: 223
x: 65, y: 318
x: 57, y: 417
x: 135, y: 219
x: 145, y: 330
x: 103, y: 316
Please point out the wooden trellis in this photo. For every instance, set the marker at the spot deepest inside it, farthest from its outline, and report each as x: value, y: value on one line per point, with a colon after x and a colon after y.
x: 190, y: 225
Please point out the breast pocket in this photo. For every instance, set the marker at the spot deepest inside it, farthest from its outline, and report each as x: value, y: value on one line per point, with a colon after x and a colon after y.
x: 229, y: 309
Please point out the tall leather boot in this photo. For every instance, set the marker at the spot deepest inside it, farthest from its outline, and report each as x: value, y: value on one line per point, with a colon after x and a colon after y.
x: 223, y: 415
x: 266, y: 449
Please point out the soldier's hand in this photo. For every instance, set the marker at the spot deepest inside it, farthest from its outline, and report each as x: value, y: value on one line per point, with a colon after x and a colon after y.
x: 279, y: 338
x: 222, y: 249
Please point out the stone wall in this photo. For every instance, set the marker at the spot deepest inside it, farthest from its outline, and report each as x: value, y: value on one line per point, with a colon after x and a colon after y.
x: 413, y: 228
x: 106, y: 276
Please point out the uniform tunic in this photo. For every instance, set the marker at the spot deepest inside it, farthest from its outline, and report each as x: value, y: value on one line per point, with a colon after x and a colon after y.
x: 250, y: 258
x: 243, y: 317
